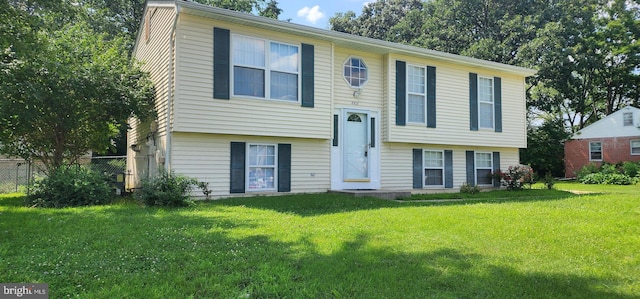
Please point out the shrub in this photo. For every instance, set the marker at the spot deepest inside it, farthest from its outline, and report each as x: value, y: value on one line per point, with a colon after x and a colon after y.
x: 608, y: 179
x: 608, y: 168
x: 516, y: 177
x: 549, y: 181
x: 166, y: 189
x: 70, y: 187
x: 587, y: 169
x: 204, y: 186
x: 469, y: 189
x: 631, y: 169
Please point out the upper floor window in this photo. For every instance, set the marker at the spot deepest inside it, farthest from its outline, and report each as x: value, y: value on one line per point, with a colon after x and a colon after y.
x: 433, y: 165
x: 416, y: 94
x: 355, y: 72
x: 635, y: 147
x: 265, y: 69
x: 485, y: 102
x: 484, y: 168
x: 627, y: 118
x: 595, y: 151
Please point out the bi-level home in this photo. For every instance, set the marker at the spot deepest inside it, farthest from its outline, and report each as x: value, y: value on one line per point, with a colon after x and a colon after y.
x: 253, y: 105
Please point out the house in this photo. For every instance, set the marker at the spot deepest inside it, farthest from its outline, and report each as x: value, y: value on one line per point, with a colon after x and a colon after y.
x: 253, y: 105
x: 613, y: 139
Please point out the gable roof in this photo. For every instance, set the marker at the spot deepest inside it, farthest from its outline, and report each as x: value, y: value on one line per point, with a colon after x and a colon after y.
x: 612, y: 126
x: 340, y: 39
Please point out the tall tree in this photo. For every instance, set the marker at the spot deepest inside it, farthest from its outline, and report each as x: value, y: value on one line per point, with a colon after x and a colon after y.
x: 123, y: 17
x: 71, y: 95
x: 377, y: 19
x: 587, y: 61
x: 545, y: 147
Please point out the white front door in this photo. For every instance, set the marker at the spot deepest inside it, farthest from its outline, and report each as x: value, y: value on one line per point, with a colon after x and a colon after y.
x: 356, y: 148
x: 355, y: 155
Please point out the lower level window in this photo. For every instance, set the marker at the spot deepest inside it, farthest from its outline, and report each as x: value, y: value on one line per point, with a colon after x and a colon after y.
x: 484, y: 164
x: 433, y: 168
x: 261, y: 167
x: 635, y: 147
x: 595, y: 151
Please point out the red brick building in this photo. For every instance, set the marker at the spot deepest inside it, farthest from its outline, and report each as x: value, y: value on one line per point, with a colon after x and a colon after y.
x: 613, y: 139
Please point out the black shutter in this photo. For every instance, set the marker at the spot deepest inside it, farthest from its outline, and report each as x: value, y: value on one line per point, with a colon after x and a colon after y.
x: 284, y: 167
x: 431, y: 97
x: 417, y: 168
x: 496, y: 168
x: 448, y: 169
x: 471, y: 168
x: 401, y: 93
x: 221, y: 49
x: 308, y: 89
x: 497, y: 103
x: 335, y: 130
x: 473, y: 101
x: 373, y: 132
x: 237, y: 179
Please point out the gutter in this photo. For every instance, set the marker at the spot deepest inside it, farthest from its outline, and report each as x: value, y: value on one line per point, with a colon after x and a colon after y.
x: 172, y: 41
x: 345, y: 40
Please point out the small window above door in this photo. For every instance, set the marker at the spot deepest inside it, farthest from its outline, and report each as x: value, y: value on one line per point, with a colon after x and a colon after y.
x: 354, y: 118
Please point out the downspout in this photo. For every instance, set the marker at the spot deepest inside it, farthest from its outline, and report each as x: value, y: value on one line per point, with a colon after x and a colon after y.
x: 172, y: 40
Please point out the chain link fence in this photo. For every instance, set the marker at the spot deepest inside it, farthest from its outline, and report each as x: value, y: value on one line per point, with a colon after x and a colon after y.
x: 17, y: 174
x: 14, y: 175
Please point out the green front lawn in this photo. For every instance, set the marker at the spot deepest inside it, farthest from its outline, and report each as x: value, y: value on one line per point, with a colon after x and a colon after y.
x: 552, y: 245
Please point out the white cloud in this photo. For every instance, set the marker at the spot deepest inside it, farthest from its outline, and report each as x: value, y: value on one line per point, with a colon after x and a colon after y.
x: 311, y: 14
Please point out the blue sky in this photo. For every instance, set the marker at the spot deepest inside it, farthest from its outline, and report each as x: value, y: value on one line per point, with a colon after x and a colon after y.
x: 316, y: 13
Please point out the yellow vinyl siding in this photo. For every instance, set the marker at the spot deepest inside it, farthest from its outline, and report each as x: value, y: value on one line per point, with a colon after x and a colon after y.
x: 397, y: 162
x: 154, y: 57
x: 372, y: 94
x: 206, y: 157
x: 197, y: 111
x: 452, y: 109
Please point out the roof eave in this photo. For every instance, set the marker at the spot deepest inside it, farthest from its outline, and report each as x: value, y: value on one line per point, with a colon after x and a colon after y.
x: 343, y: 39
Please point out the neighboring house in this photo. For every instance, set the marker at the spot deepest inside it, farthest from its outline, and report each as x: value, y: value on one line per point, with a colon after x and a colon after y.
x: 613, y: 139
x: 256, y: 105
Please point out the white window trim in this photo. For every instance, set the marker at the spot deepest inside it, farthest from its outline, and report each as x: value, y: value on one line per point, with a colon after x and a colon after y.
x: 493, y: 102
x: 424, y: 185
x: 249, y: 166
x: 267, y: 69
x: 424, y: 68
x: 366, y: 67
x: 476, y: 168
x: 601, y: 151
x: 631, y: 146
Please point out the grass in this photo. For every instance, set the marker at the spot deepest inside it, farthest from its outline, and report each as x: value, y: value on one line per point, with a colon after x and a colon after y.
x: 535, y: 192
x: 552, y: 245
